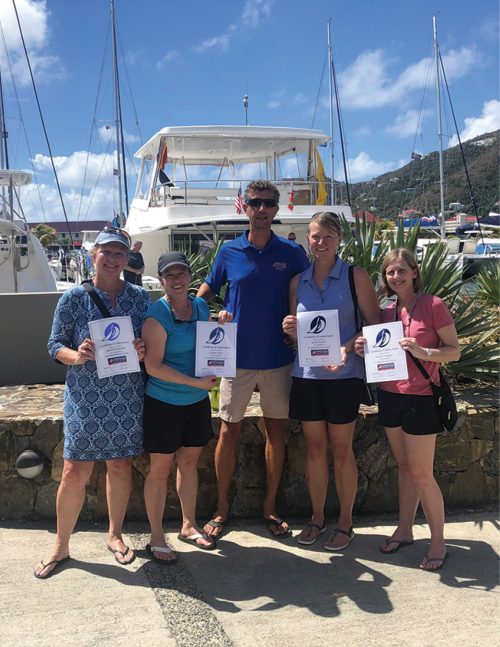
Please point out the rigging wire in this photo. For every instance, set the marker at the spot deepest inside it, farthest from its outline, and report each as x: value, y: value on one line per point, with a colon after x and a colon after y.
x: 319, y: 92
x: 43, y: 123
x: 94, y: 124
x: 469, y: 184
x: 23, y: 127
x: 129, y: 87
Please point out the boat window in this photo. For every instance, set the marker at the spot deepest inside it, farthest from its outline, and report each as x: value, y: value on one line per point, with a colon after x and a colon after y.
x: 144, y: 181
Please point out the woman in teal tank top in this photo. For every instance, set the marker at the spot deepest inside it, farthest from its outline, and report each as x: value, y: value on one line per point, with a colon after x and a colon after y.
x: 177, y: 414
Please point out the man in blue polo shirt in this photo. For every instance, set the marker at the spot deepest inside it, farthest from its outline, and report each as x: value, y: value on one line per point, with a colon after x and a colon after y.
x: 257, y: 268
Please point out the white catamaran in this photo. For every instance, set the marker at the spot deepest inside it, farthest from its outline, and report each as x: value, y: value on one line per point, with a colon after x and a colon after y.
x: 192, y: 178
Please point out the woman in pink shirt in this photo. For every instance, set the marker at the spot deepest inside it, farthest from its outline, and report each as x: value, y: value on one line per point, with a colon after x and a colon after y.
x: 406, y: 407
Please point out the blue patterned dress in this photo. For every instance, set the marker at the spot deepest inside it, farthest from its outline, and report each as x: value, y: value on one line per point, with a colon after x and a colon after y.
x: 102, y: 416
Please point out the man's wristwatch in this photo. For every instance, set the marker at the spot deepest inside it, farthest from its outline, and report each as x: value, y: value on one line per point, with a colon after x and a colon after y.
x: 429, y: 351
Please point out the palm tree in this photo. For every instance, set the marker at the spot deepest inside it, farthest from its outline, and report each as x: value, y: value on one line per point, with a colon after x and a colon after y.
x: 476, y: 319
x: 46, y: 235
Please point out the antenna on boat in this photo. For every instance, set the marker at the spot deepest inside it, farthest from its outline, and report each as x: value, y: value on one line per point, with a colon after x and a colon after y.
x: 440, y: 130
x: 245, y: 105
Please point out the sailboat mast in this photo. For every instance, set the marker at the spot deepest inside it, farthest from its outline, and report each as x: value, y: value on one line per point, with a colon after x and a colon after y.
x: 120, y: 149
x: 4, y: 160
x: 440, y: 129
x: 330, y: 87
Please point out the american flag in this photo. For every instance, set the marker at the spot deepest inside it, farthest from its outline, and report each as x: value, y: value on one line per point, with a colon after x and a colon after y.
x: 238, y: 202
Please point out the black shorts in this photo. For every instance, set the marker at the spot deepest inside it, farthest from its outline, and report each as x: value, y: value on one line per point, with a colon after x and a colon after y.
x: 416, y: 414
x: 168, y: 427
x: 336, y: 401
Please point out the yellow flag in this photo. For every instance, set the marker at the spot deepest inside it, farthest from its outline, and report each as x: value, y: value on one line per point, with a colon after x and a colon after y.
x: 321, y: 179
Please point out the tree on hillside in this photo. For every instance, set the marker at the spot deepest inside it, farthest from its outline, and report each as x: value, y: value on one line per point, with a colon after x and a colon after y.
x: 46, y: 235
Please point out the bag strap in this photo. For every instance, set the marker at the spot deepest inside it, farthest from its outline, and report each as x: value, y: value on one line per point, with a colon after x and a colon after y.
x: 354, y: 296
x: 421, y: 369
x: 89, y: 287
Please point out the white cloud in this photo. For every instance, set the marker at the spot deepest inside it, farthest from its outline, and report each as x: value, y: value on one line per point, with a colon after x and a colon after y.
x: 363, y: 131
x: 108, y: 134
x: 34, y: 19
x: 368, y: 82
x: 71, y: 170
x: 217, y: 42
x: 408, y: 123
x: 486, y: 123
x: 300, y: 99
x: 169, y: 56
x: 254, y: 12
x: 275, y: 99
x: 96, y: 205
x: 92, y: 199
x: 363, y: 167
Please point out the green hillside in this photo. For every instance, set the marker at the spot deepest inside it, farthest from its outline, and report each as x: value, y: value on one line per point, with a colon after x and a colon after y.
x: 416, y: 185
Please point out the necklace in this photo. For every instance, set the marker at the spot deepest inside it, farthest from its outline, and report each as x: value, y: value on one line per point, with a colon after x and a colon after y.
x: 409, y: 312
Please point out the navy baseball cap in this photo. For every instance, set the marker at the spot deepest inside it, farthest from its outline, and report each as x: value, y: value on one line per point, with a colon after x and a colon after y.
x: 112, y: 235
x: 168, y: 259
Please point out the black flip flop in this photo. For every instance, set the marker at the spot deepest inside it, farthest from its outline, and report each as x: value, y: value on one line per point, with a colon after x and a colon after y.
x: 399, y: 545
x: 191, y: 539
x: 216, y: 524
x: 57, y: 562
x: 434, y: 559
x: 276, y: 523
x: 161, y: 549
x: 123, y: 553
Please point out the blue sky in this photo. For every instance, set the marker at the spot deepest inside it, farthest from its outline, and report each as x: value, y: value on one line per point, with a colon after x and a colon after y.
x: 192, y: 62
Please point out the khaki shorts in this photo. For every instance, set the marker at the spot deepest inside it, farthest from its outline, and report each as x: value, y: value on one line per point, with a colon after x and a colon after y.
x: 274, y: 387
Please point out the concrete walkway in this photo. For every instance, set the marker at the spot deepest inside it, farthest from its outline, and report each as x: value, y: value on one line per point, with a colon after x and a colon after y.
x: 253, y: 591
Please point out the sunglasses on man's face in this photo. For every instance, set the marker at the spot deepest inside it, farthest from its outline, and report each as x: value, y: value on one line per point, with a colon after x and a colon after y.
x: 256, y: 203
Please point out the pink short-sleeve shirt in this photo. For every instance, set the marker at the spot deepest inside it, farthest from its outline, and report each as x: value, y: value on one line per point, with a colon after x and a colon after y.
x: 430, y: 314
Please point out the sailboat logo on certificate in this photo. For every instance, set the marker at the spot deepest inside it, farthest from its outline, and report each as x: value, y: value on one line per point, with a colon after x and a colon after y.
x: 383, y: 338
x: 111, y: 332
x: 216, y: 336
x: 318, y: 324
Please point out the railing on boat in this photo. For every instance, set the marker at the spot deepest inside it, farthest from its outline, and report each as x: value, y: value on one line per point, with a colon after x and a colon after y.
x: 191, y: 193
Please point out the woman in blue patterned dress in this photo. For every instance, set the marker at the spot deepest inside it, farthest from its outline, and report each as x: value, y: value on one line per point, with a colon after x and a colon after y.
x: 102, y: 416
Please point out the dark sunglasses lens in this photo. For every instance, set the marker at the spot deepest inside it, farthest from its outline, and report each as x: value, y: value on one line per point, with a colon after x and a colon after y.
x: 258, y: 202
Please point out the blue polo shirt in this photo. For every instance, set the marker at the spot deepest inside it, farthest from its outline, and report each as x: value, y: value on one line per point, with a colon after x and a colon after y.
x: 257, y: 296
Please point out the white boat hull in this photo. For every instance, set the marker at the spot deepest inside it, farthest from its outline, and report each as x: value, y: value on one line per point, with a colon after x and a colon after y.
x: 178, y: 227
x: 23, y: 264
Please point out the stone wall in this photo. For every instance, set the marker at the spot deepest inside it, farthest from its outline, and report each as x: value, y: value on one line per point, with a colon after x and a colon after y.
x: 466, y: 462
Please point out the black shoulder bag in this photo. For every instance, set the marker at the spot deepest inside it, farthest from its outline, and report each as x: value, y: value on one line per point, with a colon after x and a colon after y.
x: 443, y: 397
x: 89, y: 287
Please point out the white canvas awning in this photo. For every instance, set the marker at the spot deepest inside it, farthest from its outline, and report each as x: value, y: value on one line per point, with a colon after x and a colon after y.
x: 215, y: 145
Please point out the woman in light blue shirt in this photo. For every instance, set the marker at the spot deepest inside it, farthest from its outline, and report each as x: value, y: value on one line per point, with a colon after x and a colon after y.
x: 326, y: 399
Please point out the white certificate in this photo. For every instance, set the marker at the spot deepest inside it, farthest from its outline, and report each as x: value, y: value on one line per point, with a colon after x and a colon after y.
x: 318, y: 338
x: 114, y: 349
x: 215, y: 349
x: 385, y: 360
